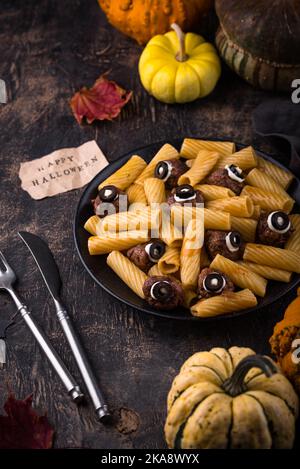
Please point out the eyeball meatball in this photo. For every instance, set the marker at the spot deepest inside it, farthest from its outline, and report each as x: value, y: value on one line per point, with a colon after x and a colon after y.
x: 227, y: 243
x: 231, y: 176
x: 212, y: 282
x: 185, y: 194
x: 163, y: 292
x: 144, y: 256
x: 107, y: 197
x: 170, y: 171
x: 274, y: 229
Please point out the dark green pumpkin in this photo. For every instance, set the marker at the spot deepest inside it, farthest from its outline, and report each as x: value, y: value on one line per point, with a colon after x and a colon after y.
x: 260, y: 40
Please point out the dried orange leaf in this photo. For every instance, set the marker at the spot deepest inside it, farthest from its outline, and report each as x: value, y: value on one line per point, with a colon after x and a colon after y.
x: 104, y: 100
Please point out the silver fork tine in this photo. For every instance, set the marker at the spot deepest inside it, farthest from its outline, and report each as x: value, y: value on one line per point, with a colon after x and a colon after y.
x: 3, y: 258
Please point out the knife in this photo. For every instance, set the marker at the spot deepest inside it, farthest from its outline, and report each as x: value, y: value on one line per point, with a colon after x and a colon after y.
x: 4, y: 325
x: 50, y: 273
x: 3, y: 92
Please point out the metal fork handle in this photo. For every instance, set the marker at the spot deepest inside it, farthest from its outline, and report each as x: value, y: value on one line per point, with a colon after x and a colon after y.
x: 55, y: 360
x: 67, y: 379
x: 100, y: 406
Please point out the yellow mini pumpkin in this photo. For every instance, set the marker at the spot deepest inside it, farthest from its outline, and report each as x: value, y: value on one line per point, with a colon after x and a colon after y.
x: 231, y: 399
x: 179, y: 68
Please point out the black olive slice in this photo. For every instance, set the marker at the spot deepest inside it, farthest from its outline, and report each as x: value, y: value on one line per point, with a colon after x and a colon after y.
x: 279, y: 222
x: 185, y: 192
x: 214, y: 282
x: 155, y: 250
x: 163, y: 170
x: 234, y: 172
x: 233, y: 241
x: 161, y: 291
x: 108, y: 193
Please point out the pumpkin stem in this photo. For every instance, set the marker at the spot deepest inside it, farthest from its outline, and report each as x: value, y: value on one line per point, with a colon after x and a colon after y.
x: 181, y: 55
x: 235, y: 385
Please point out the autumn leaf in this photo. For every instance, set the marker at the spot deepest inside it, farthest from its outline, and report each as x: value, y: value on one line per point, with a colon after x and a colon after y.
x: 23, y: 428
x: 104, y: 100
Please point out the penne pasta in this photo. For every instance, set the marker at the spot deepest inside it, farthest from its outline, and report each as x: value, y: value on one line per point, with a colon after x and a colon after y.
x: 262, y: 180
x: 155, y: 191
x: 116, y: 242
x: 190, y: 254
x: 244, y: 159
x: 280, y: 175
x: 270, y: 273
x: 293, y: 243
x: 237, y: 206
x: 257, y: 212
x: 128, y: 272
x: 240, y: 275
x: 137, y: 207
x: 167, y: 152
x: 146, y: 219
x: 266, y: 200
x: 181, y: 227
x: 273, y: 257
x: 211, y: 192
x: 222, y: 304
x: 169, y: 263
x: 213, y: 219
x: 136, y: 194
x: 92, y: 225
x: 189, y: 297
x: 246, y: 227
x: 204, y: 259
x: 203, y: 164
x: 189, y: 163
x: 191, y: 147
x: 216, y: 220
x: 154, y: 271
x: 171, y: 235
x: 126, y: 175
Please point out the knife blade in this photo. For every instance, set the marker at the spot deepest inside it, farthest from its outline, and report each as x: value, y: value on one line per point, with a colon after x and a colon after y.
x: 3, y: 92
x: 4, y: 326
x: 45, y: 262
x: 50, y: 273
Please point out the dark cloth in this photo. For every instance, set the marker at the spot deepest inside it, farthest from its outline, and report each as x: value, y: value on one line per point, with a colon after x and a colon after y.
x: 279, y: 119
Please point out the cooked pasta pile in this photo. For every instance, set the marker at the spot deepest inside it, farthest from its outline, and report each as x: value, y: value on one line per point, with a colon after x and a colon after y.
x: 243, y: 232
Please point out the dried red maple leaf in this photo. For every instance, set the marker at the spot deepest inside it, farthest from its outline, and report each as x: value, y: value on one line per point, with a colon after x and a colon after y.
x: 23, y: 428
x: 104, y: 100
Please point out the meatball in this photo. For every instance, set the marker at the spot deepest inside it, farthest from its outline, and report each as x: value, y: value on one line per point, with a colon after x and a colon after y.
x: 163, y: 292
x: 227, y: 243
x: 185, y: 194
x: 144, y: 256
x: 170, y: 171
x: 274, y: 229
x: 109, y: 200
x: 212, y: 282
x: 231, y: 177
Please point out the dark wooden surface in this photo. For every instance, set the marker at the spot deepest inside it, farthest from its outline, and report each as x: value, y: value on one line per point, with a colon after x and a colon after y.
x: 48, y: 50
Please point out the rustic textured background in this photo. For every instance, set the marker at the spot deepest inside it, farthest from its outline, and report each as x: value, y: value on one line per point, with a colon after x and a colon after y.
x: 48, y: 50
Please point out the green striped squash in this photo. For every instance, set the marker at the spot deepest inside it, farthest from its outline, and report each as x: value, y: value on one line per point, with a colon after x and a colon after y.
x: 230, y: 399
x: 260, y: 41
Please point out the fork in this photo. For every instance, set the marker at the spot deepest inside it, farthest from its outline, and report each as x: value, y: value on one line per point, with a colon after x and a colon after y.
x: 7, y: 279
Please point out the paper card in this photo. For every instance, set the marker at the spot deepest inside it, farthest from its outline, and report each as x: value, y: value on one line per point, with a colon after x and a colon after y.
x: 62, y: 170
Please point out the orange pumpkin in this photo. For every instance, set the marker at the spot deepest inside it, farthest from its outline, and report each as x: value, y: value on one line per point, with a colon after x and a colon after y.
x: 284, y: 334
x: 142, y: 19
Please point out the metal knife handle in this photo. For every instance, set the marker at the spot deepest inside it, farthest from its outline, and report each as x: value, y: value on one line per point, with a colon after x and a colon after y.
x: 55, y: 360
x: 88, y: 376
